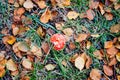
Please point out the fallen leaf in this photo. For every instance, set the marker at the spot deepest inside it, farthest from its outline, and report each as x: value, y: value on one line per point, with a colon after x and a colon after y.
x: 108, y: 16
x: 72, y: 46
x: 90, y: 14
x: 41, y: 4
x: 72, y: 59
x: 93, y: 4
x: 112, y: 51
x: 33, y: 48
x: 27, y: 64
x: 21, y: 2
x: 20, y: 11
x: 10, y: 39
x: 10, y: 64
x: 113, y: 0
x: 45, y: 46
x: 108, y: 44
x: 3, y: 63
x: 16, y: 4
x: 59, y: 25
x: 88, y: 44
x: 88, y: 62
x: 62, y: 3
x: 101, y: 7
x: 72, y: 15
x: 11, y: 1
x: 15, y: 31
x: 117, y: 6
x: 2, y: 55
x: 38, y: 53
x: 24, y: 47
x: 53, y: 2
x: 118, y: 56
x: 46, y: 16
x: 79, y: 63
x: 95, y: 35
x: 50, y: 67
x: 25, y: 78
x: 41, y: 31
x: 81, y: 37
x: 115, y: 28
x: 95, y: 74
x: 64, y: 63
x: 28, y: 4
x: 107, y: 70
x: 118, y: 77
x: 14, y: 73
x: 68, y: 31
x: 98, y: 54
x: 112, y: 62
x: 2, y: 72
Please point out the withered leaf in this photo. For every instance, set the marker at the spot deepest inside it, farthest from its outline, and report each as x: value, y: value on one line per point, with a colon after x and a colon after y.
x: 11, y: 65
x: 118, y: 56
x: 28, y: 4
x: 23, y: 47
x: 108, y: 44
x: 115, y: 28
x: 50, y: 67
x: 81, y: 37
x: 68, y: 31
x: 41, y: 31
x: 2, y: 72
x: 95, y: 74
x: 72, y: 15
x: 45, y: 46
x: 27, y: 64
x: 107, y: 70
x: 90, y: 14
x: 93, y: 4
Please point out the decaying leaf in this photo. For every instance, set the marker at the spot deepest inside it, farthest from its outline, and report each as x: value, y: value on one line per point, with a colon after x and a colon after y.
x: 41, y: 4
x: 38, y: 53
x: 68, y: 31
x: 107, y: 70
x: 28, y: 4
x: 21, y: 2
x: 50, y: 67
x: 23, y: 47
x: 41, y: 31
x: 118, y: 56
x: 46, y: 16
x: 72, y: 15
x: 108, y: 44
x: 90, y: 14
x: 33, y: 48
x: 81, y: 37
x: 27, y: 64
x: 59, y: 25
x: 115, y: 28
x: 98, y: 54
x: 95, y: 74
x: 61, y: 3
x: 45, y: 46
x: 10, y: 64
x: 112, y: 51
x: 108, y: 16
x: 16, y: 4
x: 2, y: 72
x: 93, y: 4
x: 101, y: 7
x: 64, y: 63
x: 79, y: 63
x: 88, y: 62
x: 112, y: 62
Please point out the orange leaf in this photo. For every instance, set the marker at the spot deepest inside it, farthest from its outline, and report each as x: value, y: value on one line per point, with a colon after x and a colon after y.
x: 101, y: 8
x: 108, y: 16
x: 10, y: 39
x: 72, y: 46
x: 118, y: 56
x: 11, y: 1
x: 72, y: 15
x: 90, y: 14
x: 95, y: 74
x: 93, y: 4
x: 2, y: 72
x: 107, y: 70
x: 14, y: 73
x: 88, y: 62
x: 20, y: 11
x: 46, y: 16
x: 81, y: 37
x: 108, y: 44
x: 41, y: 4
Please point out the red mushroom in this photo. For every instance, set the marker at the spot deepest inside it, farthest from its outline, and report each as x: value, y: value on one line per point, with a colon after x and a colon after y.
x: 58, y: 40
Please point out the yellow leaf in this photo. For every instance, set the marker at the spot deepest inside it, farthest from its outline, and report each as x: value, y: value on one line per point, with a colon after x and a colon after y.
x: 72, y: 15
x: 2, y: 72
x: 11, y: 39
x: 90, y: 14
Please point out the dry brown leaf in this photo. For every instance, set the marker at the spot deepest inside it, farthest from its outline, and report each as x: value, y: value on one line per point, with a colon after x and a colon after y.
x: 15, y: 47
x: 41, y: 31
x: 93, y: 4
x: 34, y: 48
x: 2, y: 55
x: 108, y: 16
x: 20, y: 11
x: 95, y: 74
x: 15, y: 31
x: 53, y: 2
x: 90, y: 14
x: 112, y: 51
x: 117, y: 45
x: 112, y: 62
x: 41, y: 4
x: 118, y: 56
x: 118, y: 77
x: 16, y: 4
x: 2, y: 72
x: 72, y: 15
x: 68, y: 31
x: 98, y: 54
x: 50, y: 67
x: 9, y: 39
x: 24, y: 47
x: 72, y: 59
x: 117, y: 6
x: 79, y: 63
x: 81, y: 37
x: 88, y: 62
x: 107, y: 70
x: 46, y: 16
x: 28, y: 4
x: 115, y: 28
x: 59, y: 25
x: 64, y: 63
x: 10, y: 64
x: 25, y: 78
x: 38, y: 53
x: 3, y: 63
x: 11, y: 1
x: 45, y: 46
x: 27, y: 64
x: 83, y: 15
x: 21, y: 2
x: 108, y: 44
x: 14, y: 73
x: 72, y: 46
x: 88, y: 44
x: 101, y: 7
x: 61, y: 3
x: 66, y: 2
